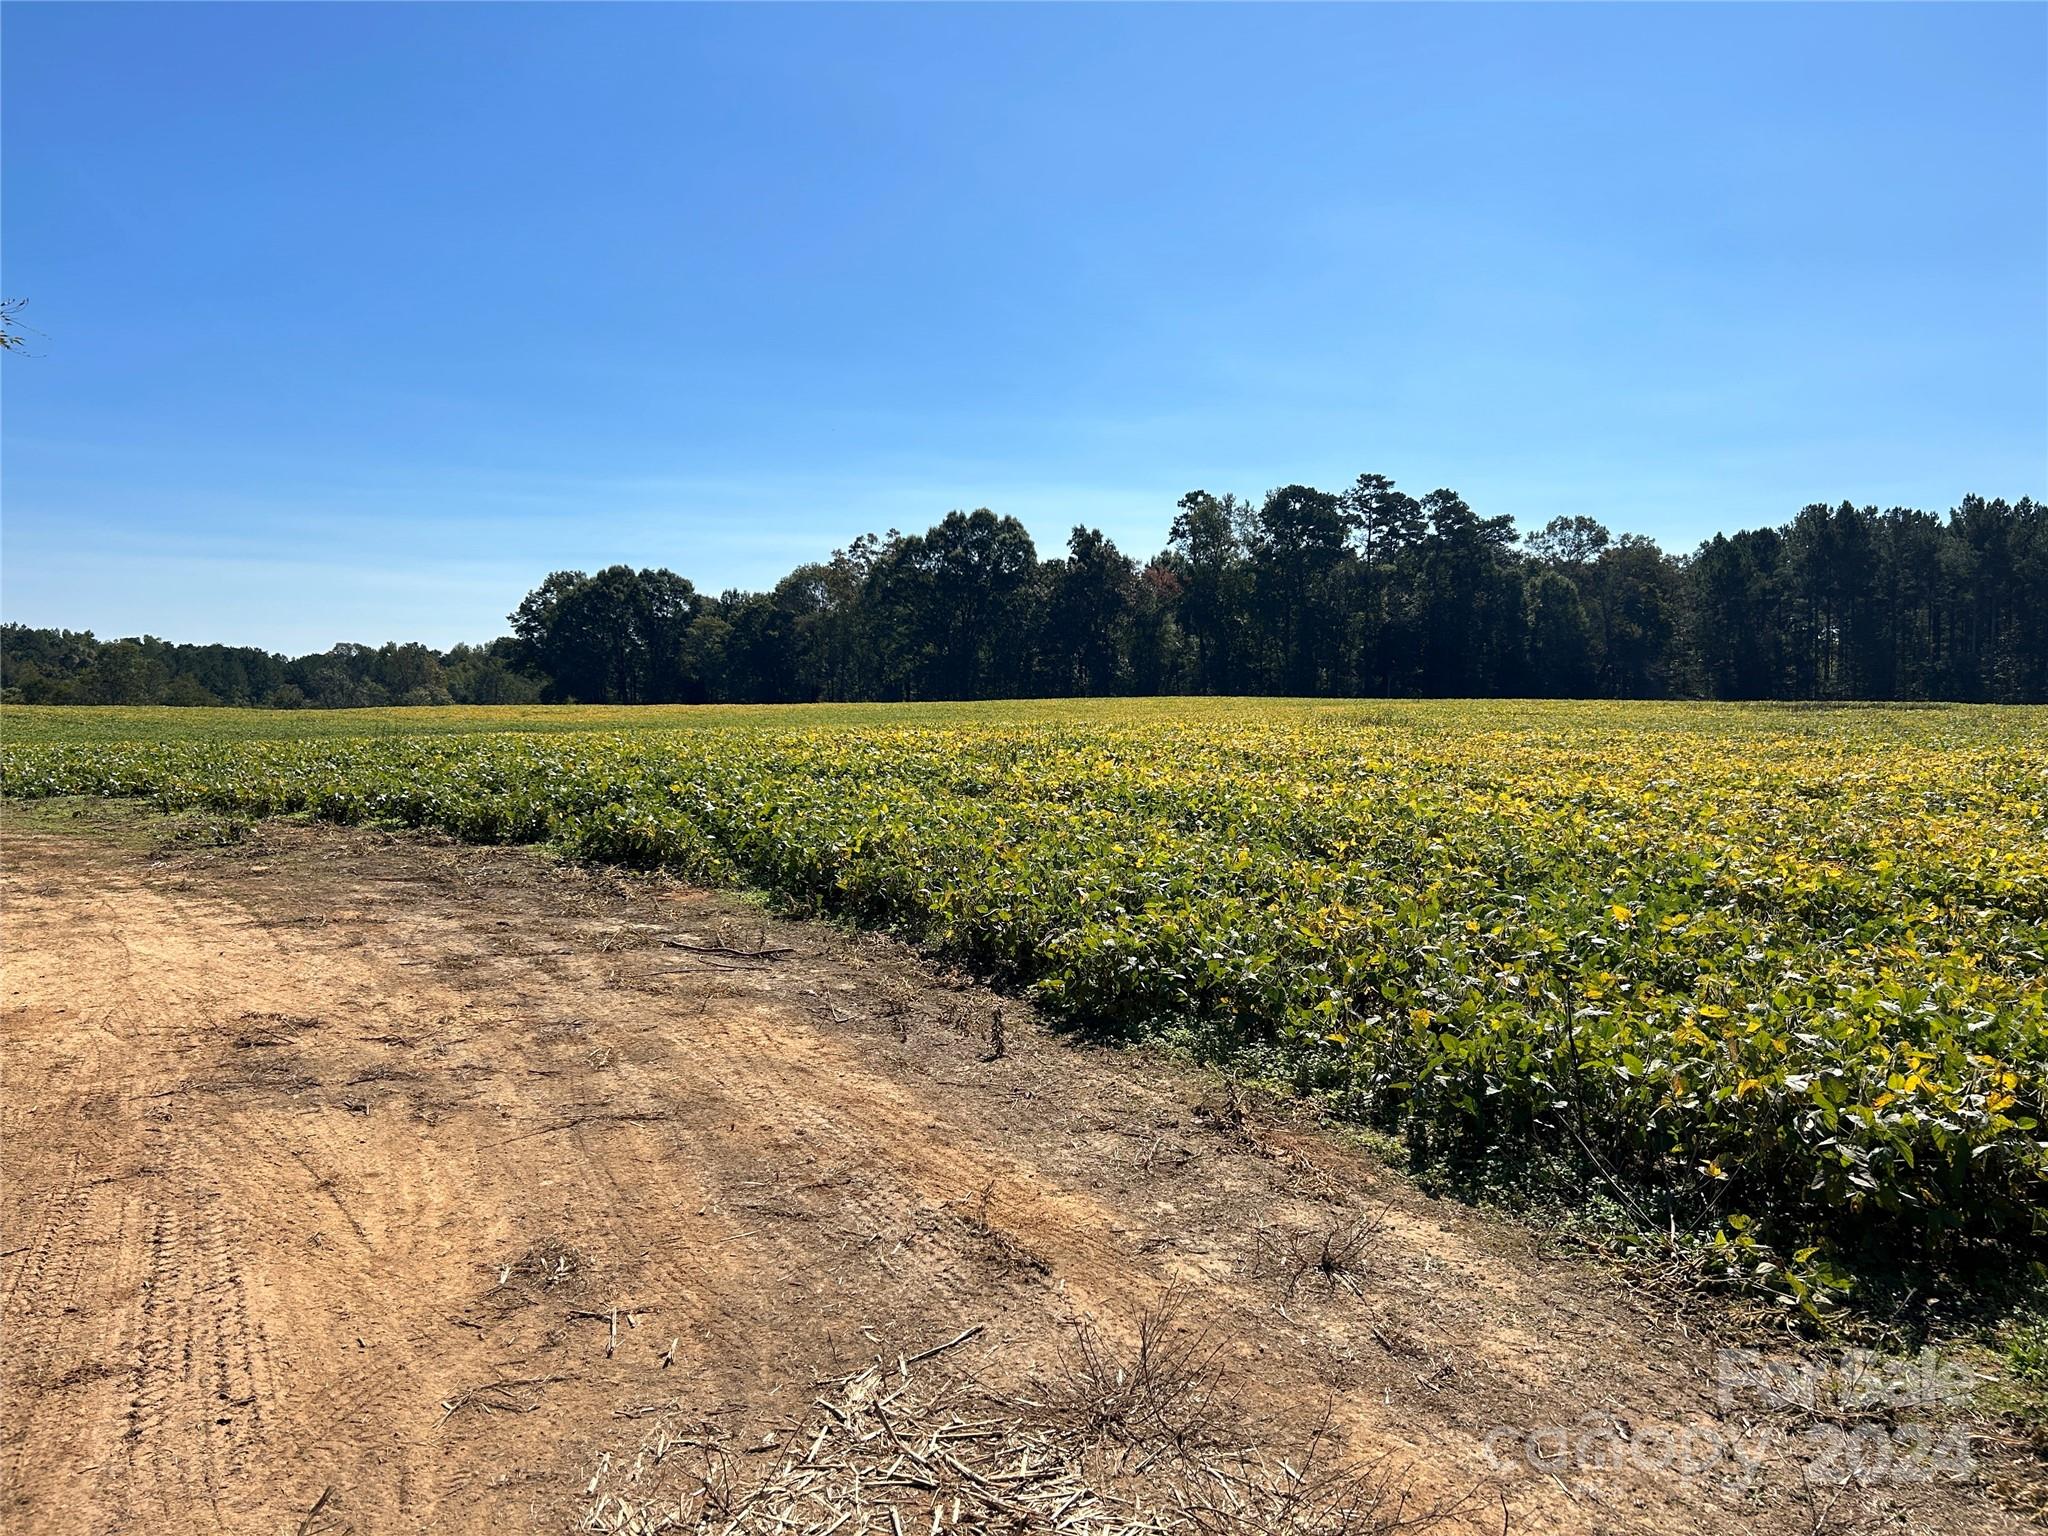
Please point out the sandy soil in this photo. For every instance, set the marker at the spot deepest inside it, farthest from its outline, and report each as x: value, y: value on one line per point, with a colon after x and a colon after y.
x: 331, y: 1157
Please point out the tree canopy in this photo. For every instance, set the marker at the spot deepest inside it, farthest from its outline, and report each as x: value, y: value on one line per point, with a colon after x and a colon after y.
x: 1363, y: 591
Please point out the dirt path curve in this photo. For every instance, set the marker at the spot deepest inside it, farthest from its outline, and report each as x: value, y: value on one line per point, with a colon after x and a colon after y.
x: 330, y: 1159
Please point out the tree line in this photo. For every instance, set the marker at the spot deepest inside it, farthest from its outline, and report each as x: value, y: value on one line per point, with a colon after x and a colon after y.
x: 1367, y: 591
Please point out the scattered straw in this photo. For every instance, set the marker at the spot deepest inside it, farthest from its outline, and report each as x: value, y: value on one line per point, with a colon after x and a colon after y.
x: 918, y: 1453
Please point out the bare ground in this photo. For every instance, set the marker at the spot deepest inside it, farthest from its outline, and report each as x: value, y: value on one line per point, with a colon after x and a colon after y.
x: 373, y: 1183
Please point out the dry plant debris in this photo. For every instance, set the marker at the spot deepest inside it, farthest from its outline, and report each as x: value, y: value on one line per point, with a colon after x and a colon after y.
x: 1114, y: 1446
x: 894, y: 1451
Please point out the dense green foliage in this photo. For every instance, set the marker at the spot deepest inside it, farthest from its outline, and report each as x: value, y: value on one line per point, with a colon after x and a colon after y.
x: 61, y: 666
x: 1370, y: 592
x: 1768, y: 973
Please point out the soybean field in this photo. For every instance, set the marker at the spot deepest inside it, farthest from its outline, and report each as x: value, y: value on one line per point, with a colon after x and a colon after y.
x: 1768, y: 977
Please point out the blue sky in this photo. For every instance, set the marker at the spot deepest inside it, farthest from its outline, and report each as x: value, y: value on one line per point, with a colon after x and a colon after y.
x: 357, y: 320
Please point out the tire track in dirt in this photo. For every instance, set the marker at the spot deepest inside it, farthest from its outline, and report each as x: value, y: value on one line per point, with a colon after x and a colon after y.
x: 202, y: 1374
x: 267, y: 1167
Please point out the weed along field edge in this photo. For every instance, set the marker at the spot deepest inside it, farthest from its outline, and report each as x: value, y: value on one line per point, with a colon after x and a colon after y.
x: 1755, y: 992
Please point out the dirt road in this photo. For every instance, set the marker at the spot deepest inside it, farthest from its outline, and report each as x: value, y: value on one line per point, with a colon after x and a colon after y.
x: 365, y: 1183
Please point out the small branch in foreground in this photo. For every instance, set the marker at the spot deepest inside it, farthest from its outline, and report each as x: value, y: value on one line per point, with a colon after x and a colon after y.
x: 498, y: 1396
x: 765, y: 952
